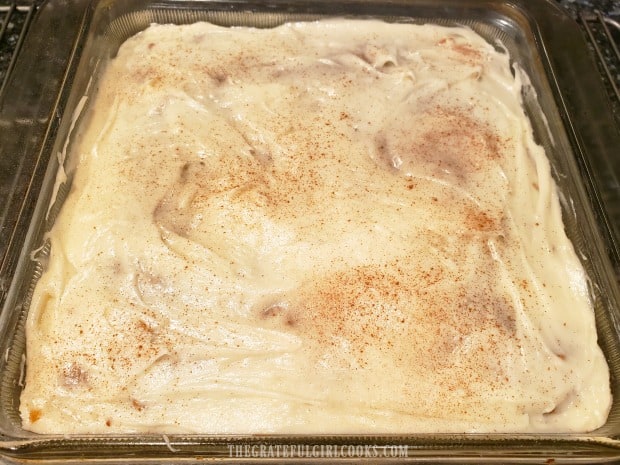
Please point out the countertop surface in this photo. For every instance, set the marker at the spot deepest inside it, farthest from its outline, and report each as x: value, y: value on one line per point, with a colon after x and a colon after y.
x: 609, y: 7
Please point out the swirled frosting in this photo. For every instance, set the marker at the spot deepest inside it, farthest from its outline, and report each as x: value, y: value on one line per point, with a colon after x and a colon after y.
x: 341, y: 226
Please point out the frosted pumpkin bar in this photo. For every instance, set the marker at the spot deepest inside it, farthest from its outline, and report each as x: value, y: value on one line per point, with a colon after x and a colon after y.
x: 341, y: 226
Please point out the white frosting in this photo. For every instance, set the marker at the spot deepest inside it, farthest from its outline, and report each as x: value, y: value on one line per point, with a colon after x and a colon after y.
x: 330, y: 227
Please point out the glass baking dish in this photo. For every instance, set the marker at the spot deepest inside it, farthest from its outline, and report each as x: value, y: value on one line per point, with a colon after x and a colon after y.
x: 68, y: 46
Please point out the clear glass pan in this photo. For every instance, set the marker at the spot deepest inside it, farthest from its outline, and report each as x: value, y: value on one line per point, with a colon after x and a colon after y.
x: 66, y: 49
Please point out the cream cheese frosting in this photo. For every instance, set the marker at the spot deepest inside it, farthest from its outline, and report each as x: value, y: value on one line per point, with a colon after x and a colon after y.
x: 340, y: 226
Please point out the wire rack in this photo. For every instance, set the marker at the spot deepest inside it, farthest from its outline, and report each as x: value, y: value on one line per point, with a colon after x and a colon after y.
x: 15, y: 20
x: 603, y: 33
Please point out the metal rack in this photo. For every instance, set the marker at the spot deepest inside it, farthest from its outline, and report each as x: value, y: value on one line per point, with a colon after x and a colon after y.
x: 609, y: 56
x: 15, y: 20
x: 603, y: 33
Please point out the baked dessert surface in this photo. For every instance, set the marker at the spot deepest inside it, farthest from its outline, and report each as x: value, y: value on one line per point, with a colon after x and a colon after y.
x: 341, y: 226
